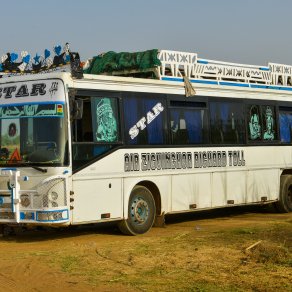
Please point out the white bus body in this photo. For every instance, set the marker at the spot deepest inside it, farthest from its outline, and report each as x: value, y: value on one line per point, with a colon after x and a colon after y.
x: 132, y: 183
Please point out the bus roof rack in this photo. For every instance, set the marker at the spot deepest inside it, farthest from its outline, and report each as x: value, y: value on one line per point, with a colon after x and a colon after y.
x: 174, y: 65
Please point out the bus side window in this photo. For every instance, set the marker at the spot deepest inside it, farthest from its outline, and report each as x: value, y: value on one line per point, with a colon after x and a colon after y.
x: 269, y: 123
x: 105, y: 122
x: 144, y: 120
x: 226, y: 122
x: 82, y: 133
x: 82, y: 130
x: 261, y: 123
x: 179, y: 132
x: 188, y: 122
x: 98, y: 130
x: 285, y: 122
x: 254, y: 123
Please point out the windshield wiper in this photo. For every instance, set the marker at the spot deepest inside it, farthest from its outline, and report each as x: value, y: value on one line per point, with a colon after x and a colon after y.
x: 40, y: 169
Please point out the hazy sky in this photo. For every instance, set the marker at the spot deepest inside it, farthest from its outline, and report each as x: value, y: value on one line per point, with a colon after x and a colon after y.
x: 246, y: 31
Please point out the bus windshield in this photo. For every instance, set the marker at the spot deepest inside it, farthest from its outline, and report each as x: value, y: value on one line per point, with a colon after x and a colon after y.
x: 33, y: 134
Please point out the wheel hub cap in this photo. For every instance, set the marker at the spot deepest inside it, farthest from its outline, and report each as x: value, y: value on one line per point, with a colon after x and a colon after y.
x: 139, y: 210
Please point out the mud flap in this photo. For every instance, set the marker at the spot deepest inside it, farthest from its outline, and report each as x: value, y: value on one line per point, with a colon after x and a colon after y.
x: 159, y: 221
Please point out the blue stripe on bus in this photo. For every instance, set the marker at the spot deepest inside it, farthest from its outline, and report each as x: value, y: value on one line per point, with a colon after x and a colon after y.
x: 234, y: 84
x: 172, y: 79
x: 259, y: 86
x: 286, y: 88
x: 252, y: 85
x: 264, y: 68
x: 279, y: 88
x: 202, y: 61
x: 271, y: 87
x: 204, y: 81
x: 192, y: 81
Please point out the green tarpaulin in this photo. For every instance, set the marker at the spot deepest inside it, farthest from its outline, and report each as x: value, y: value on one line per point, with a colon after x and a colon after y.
x: 124, y: 61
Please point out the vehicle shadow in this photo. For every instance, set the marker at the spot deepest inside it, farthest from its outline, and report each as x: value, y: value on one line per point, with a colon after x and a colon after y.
x: 43, y: 233
x: 22, y: 235
x: 219, y: 213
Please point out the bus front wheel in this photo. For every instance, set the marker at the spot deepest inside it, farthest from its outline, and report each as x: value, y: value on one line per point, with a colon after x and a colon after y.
x: 285, y: 200
x: 141, y: 212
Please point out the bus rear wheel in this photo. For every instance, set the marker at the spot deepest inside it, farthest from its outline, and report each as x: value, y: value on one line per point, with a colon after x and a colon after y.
x: 285, y: 201
x: 141, y: 212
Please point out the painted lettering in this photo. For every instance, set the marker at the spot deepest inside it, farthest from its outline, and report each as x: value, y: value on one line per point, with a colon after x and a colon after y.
x: 133, y: 132
x: 210, y: 159
x: 150, y: 117
x: 166, y: 160
x: 141, y: 123
x: 38, y: 89
x: 236, y: 158
x: 144, y: 121
x: 182, y: 160
x: 22, y: 91
x: 157, y: 109
x: 131, y: 162
x: 8, y: 91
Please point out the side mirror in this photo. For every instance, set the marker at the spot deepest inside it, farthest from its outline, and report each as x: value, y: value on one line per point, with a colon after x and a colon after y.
x: 77, y: 109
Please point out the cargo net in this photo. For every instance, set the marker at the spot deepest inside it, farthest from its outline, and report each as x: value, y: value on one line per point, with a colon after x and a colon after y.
x: 53, y: 193
x: 138, y: 64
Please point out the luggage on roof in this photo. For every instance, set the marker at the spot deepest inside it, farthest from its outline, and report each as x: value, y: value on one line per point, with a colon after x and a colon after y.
x: 112, y: 62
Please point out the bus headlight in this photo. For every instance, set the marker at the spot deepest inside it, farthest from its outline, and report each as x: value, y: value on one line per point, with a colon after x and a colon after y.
x: 53, y: 192
x: 53, y: 196
x: 24, y: 200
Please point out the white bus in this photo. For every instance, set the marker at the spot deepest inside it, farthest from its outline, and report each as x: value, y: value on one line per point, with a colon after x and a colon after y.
x: 130, y: 149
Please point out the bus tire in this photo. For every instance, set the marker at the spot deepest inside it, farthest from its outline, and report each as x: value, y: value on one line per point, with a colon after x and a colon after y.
x: 141, y: 212
x: 284, y: 205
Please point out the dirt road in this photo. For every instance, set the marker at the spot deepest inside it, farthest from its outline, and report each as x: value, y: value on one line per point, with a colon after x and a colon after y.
x: 206, y: 251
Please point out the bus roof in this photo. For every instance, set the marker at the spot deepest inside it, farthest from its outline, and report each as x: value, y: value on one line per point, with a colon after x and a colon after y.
x: 153, y: 66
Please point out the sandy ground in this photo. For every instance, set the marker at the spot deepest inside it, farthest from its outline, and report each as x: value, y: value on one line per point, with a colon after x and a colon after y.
x: 64, y: 260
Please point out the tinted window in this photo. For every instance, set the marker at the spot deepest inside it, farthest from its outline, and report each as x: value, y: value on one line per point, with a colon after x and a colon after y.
x: 261, y: 123
x: 144, y: 120
x: 226, y: 122
x: 188, y: 125
x: 104, y: 119
x: 285, y: 119
x: 269, y: 123
x: 98, y: 130
x: 100, y: 121
x: 254, y: 123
